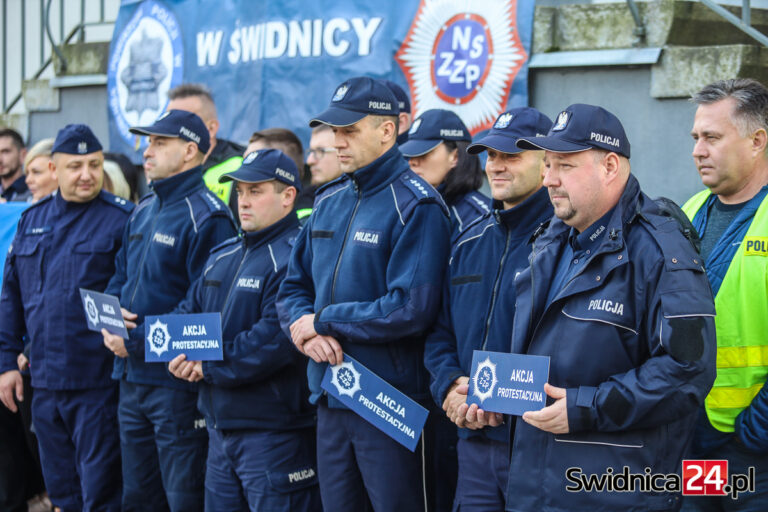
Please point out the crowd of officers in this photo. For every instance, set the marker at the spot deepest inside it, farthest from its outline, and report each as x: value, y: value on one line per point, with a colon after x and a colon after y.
x: 388, y: 252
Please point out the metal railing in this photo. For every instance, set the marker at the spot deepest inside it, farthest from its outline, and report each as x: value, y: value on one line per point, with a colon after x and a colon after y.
x: 744, y: 23
x: 35, y: 30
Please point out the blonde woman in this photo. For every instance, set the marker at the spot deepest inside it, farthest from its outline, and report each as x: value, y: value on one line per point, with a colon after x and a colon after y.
x: 39, y: 176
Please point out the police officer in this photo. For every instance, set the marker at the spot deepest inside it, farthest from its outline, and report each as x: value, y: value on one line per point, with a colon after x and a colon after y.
x: 261, y: 449
x: 404, y: 107
x: 223, y: 155
x: 165, y: 245
x: 617, y: 298
x: 364, y: 278
x: 730, y: 131
x: 437, y: 151
x: 479, y: 299
x: 64, y: 242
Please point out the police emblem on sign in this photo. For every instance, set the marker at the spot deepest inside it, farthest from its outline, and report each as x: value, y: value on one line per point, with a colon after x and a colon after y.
x: 463, y: 56
x: 503, y: 121
x: 340, y: 93
x: 484, y: 381
x: 91, y: 311
x: 561, y: 122
x: 159, y: 337
x: 147, y: 60
x: 345, y: 378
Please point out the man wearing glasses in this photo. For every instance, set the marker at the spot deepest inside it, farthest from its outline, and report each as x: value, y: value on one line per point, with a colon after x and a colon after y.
x: 322, y: 159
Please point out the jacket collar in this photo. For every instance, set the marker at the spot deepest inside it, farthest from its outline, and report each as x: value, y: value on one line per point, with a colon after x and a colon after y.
x: 270, y: 233
x: 179, y: 186
x: 64, y: 206
x: 528, y: 214
x: 381, y: 172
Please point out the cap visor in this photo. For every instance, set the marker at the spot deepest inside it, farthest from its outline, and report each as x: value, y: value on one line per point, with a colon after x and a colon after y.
x: 412, y: 148
x: 554, y: 144
x: 247, y: 176
x: 497, y: 142
x: 337, y: 117
x: 150, y: 130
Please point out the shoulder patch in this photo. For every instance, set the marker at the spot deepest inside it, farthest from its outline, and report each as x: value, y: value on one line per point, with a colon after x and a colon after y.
x: 422, y: 191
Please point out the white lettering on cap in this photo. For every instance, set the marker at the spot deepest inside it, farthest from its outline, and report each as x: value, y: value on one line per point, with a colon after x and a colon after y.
x: 285, y: 174
x: 189, y: 133
x: 604, y: 139
x: 451, y: 133
x: 380, y: 105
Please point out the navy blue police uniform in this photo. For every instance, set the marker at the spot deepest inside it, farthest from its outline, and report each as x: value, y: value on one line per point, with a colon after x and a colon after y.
x: 628, y: 325
x: 477, y: 311
x: 261, y: 450
x: 59, y: 247
x: 369, y: 265
x: 165, y: 245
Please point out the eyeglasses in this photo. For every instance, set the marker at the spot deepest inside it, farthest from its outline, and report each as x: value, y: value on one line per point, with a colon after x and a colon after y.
x: 319, y: 153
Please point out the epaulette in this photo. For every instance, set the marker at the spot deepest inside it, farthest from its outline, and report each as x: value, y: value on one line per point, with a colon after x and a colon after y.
x: 37, y: 204
x: 422, y: 191
x: 477, y: 201
x: 205, y: 205
x: 116, y: 201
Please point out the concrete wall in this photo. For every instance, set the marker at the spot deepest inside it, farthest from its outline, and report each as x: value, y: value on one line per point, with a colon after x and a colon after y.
x: 658, y: 129
x: 78, y: 105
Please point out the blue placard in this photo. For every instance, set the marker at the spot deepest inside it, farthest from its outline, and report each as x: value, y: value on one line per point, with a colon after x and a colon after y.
x: 102, y: 311
x: 508, y: 383
x: 376, y: 401
x: 196, y: 336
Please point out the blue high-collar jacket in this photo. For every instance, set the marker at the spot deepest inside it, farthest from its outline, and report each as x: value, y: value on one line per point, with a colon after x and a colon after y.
x: 165, y: 244
x: 478, y: 295
x: 261, y: 383
x: 59, y: 247
x: 631, y: 338
x: 369, y: 265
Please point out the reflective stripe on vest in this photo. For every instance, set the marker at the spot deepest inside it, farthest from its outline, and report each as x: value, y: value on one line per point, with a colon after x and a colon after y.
x: 303, y: 212
x: 741, y: 322
x: 211, y: 177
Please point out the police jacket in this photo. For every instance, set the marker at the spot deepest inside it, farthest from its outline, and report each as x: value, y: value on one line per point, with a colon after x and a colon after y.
x: 59, y: 247
x: 165, y: 244
x: 369, y: 265
x: 478, y: 295
x: 466, y: 209
x: 631, y: 337
x: 261, y: 383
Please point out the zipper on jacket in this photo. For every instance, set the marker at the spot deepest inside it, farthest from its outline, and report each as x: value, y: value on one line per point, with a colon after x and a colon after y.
x: 346, y: 235
x: 496, y: 284
x: 141, y: 262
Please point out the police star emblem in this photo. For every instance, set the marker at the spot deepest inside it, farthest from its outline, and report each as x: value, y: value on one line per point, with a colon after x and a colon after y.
x: 159, y: 337
x: 463, y: 56
x: 346, y: 378
x: 91, y: 311
x: 484, y: 381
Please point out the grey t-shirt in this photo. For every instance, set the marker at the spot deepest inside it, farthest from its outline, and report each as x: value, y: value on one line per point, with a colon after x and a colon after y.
x: 720, y: 217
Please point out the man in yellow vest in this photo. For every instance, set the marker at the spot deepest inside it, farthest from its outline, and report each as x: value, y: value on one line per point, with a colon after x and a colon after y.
x: 730, y: 132
x: 224, y: 156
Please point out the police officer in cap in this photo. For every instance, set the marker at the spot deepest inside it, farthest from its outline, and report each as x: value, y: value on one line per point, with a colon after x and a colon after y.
x: 165, y: 246
x: 261, y: 449
x: 617, y: 298
x: 364, y: 279
x: 479, y: 300
x: 64, y: 242
x: 437, y: 151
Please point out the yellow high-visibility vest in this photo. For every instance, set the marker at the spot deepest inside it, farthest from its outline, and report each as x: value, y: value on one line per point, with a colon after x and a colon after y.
x: 741, y: 304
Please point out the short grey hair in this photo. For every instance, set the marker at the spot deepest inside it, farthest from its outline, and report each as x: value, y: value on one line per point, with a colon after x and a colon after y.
x: 751, y: 97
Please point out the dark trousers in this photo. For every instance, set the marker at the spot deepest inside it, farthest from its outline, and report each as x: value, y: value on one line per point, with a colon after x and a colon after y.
x: 441, y: 466
x: 361, y: 467
x: 164, y: 445
x: 79, y: 447
x: 483, y: 475
x: 261, y: 470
